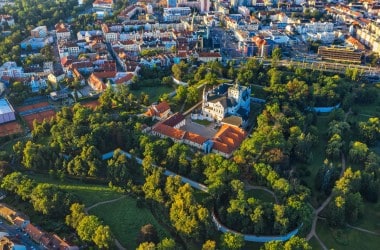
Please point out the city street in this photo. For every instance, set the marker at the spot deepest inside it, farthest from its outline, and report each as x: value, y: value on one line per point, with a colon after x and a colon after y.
x: 13, y: 231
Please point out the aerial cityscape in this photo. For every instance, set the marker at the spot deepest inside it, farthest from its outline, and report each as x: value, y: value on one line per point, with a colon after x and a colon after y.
x: 189, y: 124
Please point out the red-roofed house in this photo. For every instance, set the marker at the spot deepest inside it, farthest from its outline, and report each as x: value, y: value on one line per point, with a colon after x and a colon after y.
x: 160, y: 111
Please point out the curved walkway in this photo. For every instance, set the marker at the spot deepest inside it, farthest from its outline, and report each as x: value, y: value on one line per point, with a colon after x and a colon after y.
x: 252, y: 187
x: 363, y: 230
x: 103, y: 202
x: 117, y: 243
x: 202, y: 187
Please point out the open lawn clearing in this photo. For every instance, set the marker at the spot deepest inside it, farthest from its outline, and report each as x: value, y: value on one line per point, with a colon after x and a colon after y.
x: 153, y: 92
x: 346, y: 238
x: 126, y: 220
x: 261, y: 195
x: 89, y: 194
x: 371, y: 218
x: 314, y: 243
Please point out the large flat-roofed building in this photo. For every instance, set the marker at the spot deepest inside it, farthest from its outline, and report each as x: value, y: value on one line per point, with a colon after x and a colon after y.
x: 341, y: 54
x: 7, y: 113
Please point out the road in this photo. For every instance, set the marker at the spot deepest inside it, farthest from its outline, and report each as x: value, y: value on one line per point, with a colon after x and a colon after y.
x: 12, y: 230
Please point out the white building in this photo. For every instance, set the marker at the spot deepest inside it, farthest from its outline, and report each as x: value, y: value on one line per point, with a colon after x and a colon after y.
x: 62, y: 31
x: 10, y: 69
x: 226, y: 100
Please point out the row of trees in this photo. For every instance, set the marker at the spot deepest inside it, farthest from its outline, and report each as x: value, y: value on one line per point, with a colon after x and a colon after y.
x: 89, y: 228
x: 45, y: 198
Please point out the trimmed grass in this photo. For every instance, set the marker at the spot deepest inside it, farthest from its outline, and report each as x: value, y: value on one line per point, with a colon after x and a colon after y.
x: 126, y: 220
x: 202, y: 122
x: 346, y: 238
x: 88, y: 194
x: 153, y: 92
x: 261, y: 195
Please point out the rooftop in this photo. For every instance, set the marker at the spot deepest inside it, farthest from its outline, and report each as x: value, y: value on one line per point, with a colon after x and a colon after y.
x: 5, y: 106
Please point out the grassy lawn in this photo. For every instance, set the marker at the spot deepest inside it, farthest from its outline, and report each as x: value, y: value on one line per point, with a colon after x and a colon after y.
x: 346, y: 238
x: 371, y: 218
x: 89, y: 194
x: 126, y: 220
x: 261, y: 195
x: 153, y: 92
x: 202, y: 122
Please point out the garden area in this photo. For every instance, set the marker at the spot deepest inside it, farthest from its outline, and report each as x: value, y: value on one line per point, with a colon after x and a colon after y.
x: 154, y: 93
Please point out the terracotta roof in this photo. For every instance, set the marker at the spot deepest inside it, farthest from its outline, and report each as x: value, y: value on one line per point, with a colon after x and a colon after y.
x: 162, y: 107
x: 105, y: 74
x: 194, y: 138
x: 34, y: 232
x: 169, y: 131
x: 124, y: 79
x: 7, y: 212
x: 18, y: 221
x: 96, y: 83
x: 228, y: 138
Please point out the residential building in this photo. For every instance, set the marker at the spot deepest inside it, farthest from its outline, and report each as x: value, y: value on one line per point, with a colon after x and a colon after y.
x: 36, y: 43
x: 105, y: 5
x: 7, y: 19
x: 208, y: 56
x: 159, y: 111
x: 39, y: 32
x: 10, y: 69
x: 175, y: 14
x: 62, y: 31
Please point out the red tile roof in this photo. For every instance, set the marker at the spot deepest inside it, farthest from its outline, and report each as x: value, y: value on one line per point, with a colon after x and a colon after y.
x: 169, y: 131
x: 194, y: 138
x: 34, y: 232
x: 228, y: 138
x: 124, y: 79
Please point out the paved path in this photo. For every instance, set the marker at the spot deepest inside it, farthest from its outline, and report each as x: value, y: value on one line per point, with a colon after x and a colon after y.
x: 363, y: 230
x: 103, y: 202
x: 250, y: 187
x: 202, y: 187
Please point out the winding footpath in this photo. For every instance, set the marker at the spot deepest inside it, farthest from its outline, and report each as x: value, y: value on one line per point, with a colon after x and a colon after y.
x: 117, y: 243
x: 202, y: 187
x: 252, y: 187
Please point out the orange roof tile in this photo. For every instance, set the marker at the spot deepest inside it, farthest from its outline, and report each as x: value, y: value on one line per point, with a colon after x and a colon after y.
x: 194, y: 138
x: 169, y: 131
x: 34, y: 232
